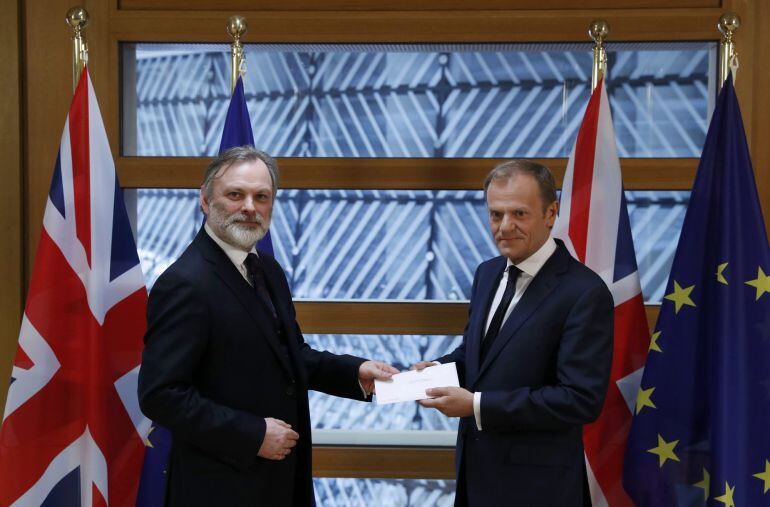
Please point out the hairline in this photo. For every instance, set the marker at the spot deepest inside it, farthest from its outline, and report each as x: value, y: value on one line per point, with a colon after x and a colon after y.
x: 510, y: 169
x: 237, y: 155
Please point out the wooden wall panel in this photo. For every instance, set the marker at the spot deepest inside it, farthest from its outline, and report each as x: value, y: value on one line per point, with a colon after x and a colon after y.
x: 759, y: 17
x: 48, y: 83
x: 389, y: 462
x: 417, y: 26
x: 11, y: 191
x: 407, y: 5
x: 395, y: 318
x: 394, y: 173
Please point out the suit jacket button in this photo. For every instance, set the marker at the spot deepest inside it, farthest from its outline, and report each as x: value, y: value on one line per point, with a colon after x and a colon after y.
x: 290, y: 391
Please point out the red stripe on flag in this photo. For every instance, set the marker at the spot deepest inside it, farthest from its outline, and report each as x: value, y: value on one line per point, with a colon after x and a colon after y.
x: 583, y: 174
x: 22, y: 360
x: 82, y: 393
x: 605, y: 439
x: 79, y: 144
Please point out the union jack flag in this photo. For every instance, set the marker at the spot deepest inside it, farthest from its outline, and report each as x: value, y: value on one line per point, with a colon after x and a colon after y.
x: 72, y: 430
x: 593, y: 223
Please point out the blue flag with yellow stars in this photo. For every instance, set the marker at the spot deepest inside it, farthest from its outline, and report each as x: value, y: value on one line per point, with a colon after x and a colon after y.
x: 701, y: 429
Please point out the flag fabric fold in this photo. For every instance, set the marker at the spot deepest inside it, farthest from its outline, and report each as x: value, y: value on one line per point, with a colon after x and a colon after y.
x: 594, y: 225
x: 72, y: 430
x: 700, y: 435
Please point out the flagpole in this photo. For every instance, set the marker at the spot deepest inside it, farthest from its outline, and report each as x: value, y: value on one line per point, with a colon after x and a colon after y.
x: 729, y: 22
x: 598, y: 31
x: 237, y: 28
x: 77, y: 18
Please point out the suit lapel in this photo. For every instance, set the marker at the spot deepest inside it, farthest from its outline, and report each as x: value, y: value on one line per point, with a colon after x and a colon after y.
x: 488, y: 283
x: 539, y: 288
x: 229, y: 274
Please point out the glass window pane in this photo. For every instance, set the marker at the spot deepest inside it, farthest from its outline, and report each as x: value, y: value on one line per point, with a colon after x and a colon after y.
x: 402, y: 351
x: 343, y: 492
x: 514, y: 100
x: 376, y: 245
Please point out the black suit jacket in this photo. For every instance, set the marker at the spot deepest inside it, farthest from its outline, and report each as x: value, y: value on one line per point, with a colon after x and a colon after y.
x: 213, y: 369
x: 544, y: 377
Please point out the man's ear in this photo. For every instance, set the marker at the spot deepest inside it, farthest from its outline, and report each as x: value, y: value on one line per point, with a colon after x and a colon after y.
x: 551, y: 212
x: 203, y: 202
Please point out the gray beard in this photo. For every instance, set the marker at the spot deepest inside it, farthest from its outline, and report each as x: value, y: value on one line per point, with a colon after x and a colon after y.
x: 237, y: 235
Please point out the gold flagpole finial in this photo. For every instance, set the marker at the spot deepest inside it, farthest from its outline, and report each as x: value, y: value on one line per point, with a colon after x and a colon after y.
x: 598, y: 31
x: 237, y: 28
x: 729, y: 22
x: 77, y: 18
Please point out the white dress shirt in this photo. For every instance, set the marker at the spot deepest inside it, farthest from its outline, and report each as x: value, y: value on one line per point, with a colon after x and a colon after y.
x: 236, y: 255
x: 529, y: 268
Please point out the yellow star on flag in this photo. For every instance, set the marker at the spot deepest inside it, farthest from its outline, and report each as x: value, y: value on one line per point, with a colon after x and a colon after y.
x: 147, y: 442
x: 664, y: 450
x: 705, y: 484
x: 761, y: 282
x: 765, y: 476
x: 681, y: 296
x: 643, y: 399
x: 720, y: 277
x: 654, y: 342
x: 727, y: 498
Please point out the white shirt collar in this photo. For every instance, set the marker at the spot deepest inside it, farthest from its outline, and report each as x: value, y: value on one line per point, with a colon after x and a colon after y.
x: 235, y: 254
x: 532, y: 264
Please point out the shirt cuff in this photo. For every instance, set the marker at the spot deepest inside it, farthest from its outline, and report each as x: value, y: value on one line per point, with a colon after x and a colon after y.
x: 366, y: 395
x: 477, y: 408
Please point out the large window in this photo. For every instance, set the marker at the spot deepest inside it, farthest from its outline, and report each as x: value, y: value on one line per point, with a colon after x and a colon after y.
x: 387, y: 245
x: 416, y: 101
x: 377, y: 244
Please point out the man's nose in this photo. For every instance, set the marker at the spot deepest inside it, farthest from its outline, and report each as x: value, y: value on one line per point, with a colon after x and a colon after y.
x: 248, y: 205
x: 507, y: 223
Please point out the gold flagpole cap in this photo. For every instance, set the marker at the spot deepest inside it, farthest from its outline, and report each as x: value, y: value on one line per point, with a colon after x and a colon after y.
x: 237, y: 27
x: 77, y: 18
x: 729, y: 22
x: 598, y: 30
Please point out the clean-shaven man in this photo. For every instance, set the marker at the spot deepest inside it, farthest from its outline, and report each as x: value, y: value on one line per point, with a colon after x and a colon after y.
x: 535, y: 358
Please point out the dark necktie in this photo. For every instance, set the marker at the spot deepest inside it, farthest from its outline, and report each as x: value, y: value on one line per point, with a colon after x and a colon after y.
x: 257, y: 274
x: 497, y: 318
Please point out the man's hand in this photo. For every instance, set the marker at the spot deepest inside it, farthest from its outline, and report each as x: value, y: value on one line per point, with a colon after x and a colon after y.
x: 279, y: 439
x: 451, y: 401
x: 422, y: 365
x: 370, y: 370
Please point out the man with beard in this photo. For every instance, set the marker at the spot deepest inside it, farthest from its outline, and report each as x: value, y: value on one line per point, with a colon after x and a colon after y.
x: 225, y: 366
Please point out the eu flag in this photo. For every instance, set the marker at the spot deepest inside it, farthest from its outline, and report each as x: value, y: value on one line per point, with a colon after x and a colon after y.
x: 237, y: 132
x: 701, y: 430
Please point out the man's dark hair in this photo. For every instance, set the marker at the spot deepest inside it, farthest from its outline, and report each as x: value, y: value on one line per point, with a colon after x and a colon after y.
x: 234, y: 155
x: 541, y: 173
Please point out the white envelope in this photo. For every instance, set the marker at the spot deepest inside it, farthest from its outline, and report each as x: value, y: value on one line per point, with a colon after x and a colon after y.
x: 411, y: 385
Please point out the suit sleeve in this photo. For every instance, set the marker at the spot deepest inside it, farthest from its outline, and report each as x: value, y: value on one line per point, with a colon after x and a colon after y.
x: 335, y: 374
x: 176, y: 340
x: 332, y: 373
x: 583, y: 363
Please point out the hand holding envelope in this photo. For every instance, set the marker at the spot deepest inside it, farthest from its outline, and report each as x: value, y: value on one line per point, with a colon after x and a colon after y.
x: 411, y: 385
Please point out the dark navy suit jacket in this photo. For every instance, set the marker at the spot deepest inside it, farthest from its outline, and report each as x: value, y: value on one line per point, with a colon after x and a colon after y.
x: 544, y: 377
x: 213, y: 368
